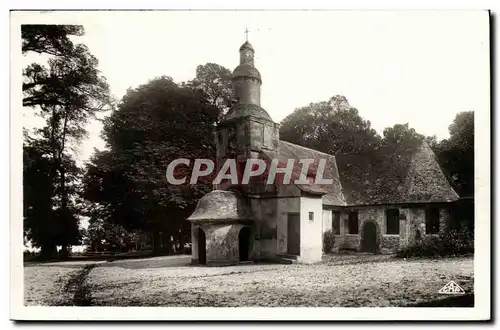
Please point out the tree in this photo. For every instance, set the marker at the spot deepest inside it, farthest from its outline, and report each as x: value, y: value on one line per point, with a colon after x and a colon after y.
x: 333, y: 127
x: 50, y: 39
x: 456, y: 154
x: 153, y: 125
x: 215, y: 81
x: 67, y: 92
x: 105, y: 236
x: 402, y: 136
x: 40, y: 227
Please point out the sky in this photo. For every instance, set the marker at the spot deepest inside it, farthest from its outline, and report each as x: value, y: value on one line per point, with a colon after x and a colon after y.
x: 395, y: 67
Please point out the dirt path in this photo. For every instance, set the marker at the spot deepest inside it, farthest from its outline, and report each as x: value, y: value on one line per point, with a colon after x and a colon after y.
x: 56, y: 284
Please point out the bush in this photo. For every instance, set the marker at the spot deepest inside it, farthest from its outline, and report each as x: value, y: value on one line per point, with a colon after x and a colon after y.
x: 328, y: 241
x: 446, y: 244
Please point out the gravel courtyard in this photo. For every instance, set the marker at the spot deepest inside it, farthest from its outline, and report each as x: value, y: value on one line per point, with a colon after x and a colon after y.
x: 343, y: 280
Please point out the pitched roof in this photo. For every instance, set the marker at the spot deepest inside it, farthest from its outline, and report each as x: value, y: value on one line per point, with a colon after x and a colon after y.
x: 425, y: 179
x: 406, y: 176
x: 332, y: 193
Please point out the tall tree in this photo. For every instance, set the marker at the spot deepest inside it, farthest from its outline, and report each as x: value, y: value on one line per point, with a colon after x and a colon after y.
x: 105, y: 236
x: 40, y: 227
x: 456, y: 154
x: 153, y: 125
x: 67, y: 92
x: 215, y: 81
x: 50, y: 39
x: 333, y: 126
x: 403, y: 136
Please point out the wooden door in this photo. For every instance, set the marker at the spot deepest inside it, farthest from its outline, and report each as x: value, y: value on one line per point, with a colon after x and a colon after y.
x: 293, y: 237
x: 202, y: 247
x: 369, y: 238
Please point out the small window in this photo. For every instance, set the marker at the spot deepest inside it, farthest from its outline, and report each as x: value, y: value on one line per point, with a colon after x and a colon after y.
x: 353, y: 222
x: 311, y: 216
x: 336, y: 222
x: 432, y: 221
x: 392, y: 221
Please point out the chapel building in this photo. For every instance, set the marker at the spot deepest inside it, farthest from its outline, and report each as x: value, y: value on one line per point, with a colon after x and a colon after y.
x: 371, y: 207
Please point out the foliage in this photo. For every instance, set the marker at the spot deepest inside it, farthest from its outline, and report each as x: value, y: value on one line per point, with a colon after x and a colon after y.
x: 103, y: 236
x: 448, y: 243
x: 333, y: 127
x: 399, y: 144
x: 328, y: 240
x: 402, y: 135
x: 154, y: 124
x: 215, y: 81
x: 49, y: 39
x: 40, y: 226
x: 456, y: 154
x: 67, y: 93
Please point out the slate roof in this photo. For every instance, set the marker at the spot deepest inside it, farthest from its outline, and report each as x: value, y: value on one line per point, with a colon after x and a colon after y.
x: 376, y: 178
x: 246, y: 70
x: 385, y: 178
x: 246, y: 45
x: 425, y: 180
x: 332, y: 193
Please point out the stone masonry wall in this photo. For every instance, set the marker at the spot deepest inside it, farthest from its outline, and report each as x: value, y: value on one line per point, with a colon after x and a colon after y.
x: 222, y: 243
x: 411, y: 220
x: 265, y: 226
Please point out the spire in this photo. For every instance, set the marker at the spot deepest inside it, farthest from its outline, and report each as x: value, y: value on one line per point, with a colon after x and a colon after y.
x: 246, y: 78
x: 246, y: 83
x: 246, y: 67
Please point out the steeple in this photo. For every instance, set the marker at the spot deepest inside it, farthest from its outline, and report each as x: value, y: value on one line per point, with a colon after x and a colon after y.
x: 247, y: 128
x: 246, y: 78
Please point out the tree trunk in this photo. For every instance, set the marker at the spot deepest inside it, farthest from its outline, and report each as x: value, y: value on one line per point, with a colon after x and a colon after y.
x: 65, y: 251
x: 156, y: 241
x: 48, y: 251
x: 167, y: 244
x: 181, y: 243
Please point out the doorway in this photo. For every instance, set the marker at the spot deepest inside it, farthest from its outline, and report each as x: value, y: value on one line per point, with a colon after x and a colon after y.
x: 244, y: 243
x: 293, y: 237
x: 202, y: 247
x: 369, y: 239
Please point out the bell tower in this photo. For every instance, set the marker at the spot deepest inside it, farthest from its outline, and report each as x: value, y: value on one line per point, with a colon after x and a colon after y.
x: 247, y: 129
x: 246, y: 78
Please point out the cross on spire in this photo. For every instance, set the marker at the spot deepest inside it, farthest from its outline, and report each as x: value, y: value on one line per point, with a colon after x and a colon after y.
x: 246, y: 34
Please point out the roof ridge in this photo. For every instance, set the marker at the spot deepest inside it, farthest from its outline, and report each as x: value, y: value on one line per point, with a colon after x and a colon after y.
x: 310, y: 149
x: 424, y: 150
